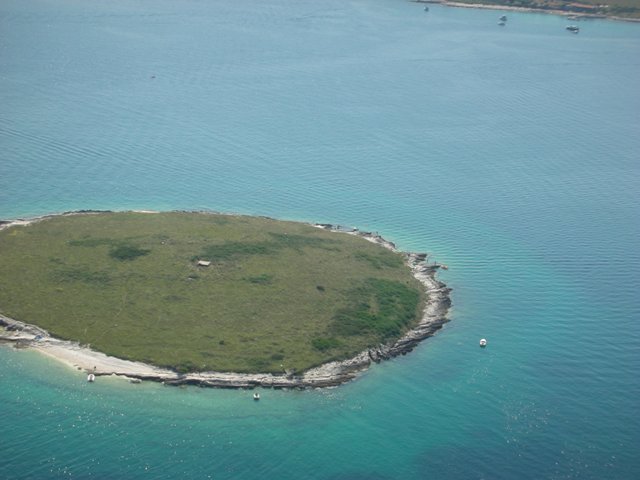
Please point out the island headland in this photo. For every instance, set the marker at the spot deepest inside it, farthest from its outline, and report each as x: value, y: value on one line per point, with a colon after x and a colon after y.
x: 432, y: 317
x: 620, y: 10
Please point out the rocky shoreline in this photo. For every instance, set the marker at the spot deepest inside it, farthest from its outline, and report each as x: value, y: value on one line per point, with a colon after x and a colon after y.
x: 23, y: 335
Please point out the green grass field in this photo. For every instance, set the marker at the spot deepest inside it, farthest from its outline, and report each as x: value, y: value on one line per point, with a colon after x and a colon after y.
x: 277, y: 295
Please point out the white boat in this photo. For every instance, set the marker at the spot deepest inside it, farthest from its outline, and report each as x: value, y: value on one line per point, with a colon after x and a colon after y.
x: 483, y: 342
x: 91, y: 378
x: 256, y: 396
x: 573, y: 28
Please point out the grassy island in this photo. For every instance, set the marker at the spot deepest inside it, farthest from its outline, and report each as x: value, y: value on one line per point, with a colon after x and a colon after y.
x: 206, y: 292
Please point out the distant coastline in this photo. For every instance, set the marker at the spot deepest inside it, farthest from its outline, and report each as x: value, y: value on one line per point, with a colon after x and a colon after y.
x: 434, y: 316
x: 575, y: 13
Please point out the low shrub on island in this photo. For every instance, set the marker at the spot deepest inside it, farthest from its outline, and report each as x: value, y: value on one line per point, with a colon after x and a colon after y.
x: 205, y: 292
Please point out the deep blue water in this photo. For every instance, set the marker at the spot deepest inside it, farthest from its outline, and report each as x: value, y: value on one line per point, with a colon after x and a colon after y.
x: 511, y: 154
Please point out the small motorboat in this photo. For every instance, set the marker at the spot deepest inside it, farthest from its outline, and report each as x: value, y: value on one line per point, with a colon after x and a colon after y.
x: 91, y: 378
x: 426, y: 9
x: 503, y: 18
x: 483, y: 342
x: 256, y: 396
x: 573, y: 28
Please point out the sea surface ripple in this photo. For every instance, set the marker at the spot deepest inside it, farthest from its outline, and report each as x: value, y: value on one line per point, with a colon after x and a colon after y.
x: 510, y: 154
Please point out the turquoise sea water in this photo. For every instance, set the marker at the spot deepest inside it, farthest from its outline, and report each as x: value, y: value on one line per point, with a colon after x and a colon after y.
x: 511, y: 154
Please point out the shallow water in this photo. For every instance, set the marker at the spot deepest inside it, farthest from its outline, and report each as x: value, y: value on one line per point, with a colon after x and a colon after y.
x: 509, y: 153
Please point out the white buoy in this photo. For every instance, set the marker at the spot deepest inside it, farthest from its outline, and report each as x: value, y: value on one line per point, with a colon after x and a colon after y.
x: 483, y: 342
x: 91, y: 378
